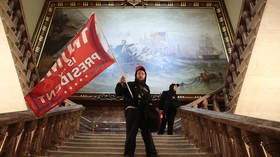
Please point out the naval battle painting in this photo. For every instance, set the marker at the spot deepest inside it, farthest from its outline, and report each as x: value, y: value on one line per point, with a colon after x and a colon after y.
x: 181, y: 46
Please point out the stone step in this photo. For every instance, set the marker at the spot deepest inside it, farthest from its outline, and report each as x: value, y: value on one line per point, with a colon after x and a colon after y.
x: 107, y: 130
x: 123, y: 137
x: 168, y: 141
x: 112, y: 145
x: 121, y: 149
x: 118, y: 154
x: 140, y: 145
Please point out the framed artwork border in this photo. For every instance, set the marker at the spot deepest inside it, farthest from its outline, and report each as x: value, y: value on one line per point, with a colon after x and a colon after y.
x: 225, y: 28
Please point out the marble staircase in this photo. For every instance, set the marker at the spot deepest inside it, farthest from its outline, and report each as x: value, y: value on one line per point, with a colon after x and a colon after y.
x: 112, y: 145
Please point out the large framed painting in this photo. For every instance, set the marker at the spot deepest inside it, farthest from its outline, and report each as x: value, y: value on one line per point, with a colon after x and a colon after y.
x: 177, y: 42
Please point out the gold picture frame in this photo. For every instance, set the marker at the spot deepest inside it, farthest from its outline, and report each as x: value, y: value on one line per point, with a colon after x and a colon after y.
x: 222, y: 19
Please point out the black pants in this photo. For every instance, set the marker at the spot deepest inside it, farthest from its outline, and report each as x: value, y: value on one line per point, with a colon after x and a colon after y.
x: 134, y: 121
x: 168, y: 116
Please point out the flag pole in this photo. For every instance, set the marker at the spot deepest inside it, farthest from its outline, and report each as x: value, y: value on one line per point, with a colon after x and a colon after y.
x: 118, y: 64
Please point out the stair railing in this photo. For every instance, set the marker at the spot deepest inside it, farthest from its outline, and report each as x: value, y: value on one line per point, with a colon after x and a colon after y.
x: 228, y: 135
x: 204, y: 100
x: 13, y: 19
x: 90, y: 123
x: 243, y: 43
x: 245, y: 36
x: 95, y: 124
x: 23, y: 134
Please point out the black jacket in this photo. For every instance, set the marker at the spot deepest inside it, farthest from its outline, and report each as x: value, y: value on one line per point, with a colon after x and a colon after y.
x: 141, y: 94
x: 168, y: 101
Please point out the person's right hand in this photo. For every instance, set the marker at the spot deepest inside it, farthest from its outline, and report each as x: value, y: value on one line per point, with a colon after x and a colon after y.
x: 122, y: 80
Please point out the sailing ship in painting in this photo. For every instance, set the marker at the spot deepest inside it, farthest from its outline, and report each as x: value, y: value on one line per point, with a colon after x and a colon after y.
x: 207, y: 50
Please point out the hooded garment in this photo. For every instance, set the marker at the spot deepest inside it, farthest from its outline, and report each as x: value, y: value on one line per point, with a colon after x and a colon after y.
x: 140, y: 91
x: 143, y: 69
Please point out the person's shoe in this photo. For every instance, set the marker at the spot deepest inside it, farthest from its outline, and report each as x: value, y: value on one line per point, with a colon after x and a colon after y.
x: 152, y: 155
x: 155, y: 154
x: 127, y: 155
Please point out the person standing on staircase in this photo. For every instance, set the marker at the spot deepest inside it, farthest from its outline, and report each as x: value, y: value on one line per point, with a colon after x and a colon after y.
x: 134, y: 112
x: 168, y: 104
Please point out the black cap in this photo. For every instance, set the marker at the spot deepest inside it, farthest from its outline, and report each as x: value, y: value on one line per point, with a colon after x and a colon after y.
x: 172, y: 85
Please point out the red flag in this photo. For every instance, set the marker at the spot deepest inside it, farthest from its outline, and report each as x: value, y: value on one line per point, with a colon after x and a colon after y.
x: 160, y: 117
x: 82, y: 60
